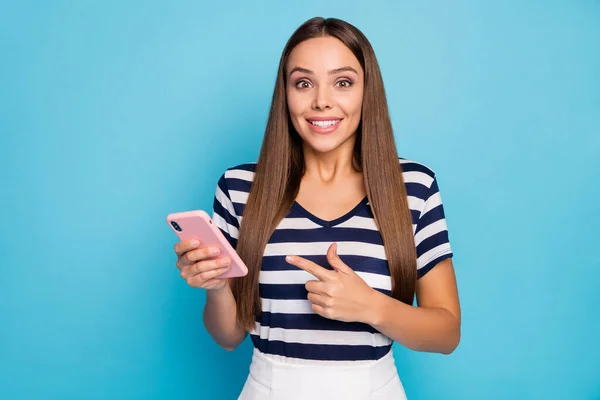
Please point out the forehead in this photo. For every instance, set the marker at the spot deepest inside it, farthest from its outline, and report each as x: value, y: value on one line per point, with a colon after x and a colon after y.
x: 322, y: 54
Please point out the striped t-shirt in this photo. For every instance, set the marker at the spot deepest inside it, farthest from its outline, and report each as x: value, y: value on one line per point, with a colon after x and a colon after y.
x: 287, y: 327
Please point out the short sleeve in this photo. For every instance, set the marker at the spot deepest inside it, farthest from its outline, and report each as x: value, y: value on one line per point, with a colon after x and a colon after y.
x: 224, y: 214
x: 431, y: 233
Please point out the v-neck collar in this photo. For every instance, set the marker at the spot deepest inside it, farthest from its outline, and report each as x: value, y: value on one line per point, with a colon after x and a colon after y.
x: 337, y: 221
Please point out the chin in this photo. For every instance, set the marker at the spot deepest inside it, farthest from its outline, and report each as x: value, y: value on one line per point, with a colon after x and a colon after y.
x: 323, y: 145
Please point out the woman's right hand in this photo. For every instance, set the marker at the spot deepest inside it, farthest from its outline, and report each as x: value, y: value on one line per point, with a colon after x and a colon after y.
x: 199, y: 267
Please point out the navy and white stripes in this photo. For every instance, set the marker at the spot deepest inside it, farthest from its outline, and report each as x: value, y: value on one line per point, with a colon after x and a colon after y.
x: 288, y: 327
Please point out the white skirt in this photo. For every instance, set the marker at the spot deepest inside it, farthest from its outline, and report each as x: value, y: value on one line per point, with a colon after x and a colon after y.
x: 271, y: 379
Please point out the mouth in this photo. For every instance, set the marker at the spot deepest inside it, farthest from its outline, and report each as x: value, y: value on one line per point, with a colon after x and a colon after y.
x: 324, y: 126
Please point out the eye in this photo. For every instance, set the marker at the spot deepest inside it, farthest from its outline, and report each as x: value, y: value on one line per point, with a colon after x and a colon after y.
x: 302, y: 84
x: 344, y: 83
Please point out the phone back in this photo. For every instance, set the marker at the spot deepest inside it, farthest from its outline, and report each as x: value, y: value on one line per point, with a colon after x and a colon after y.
x: 198, y: 225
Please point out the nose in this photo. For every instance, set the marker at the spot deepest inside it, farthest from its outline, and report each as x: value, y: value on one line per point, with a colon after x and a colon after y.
x: 323, y: 99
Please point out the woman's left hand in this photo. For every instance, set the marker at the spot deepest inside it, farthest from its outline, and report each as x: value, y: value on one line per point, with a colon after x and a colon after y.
x: 339, y: 294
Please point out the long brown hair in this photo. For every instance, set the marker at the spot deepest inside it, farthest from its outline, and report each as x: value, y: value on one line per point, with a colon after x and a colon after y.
x: 280, y: 168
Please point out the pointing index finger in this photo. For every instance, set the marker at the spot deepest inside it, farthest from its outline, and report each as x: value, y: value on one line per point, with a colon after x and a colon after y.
x: 315, y: 270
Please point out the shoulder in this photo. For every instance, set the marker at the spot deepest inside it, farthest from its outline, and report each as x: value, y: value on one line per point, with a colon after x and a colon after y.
x: 242, y: 173
x: 418, y: 178
x: 416, y: 168
x: 235, y: 181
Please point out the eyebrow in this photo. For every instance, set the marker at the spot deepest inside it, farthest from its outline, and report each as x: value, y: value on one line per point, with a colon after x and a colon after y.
x: 331, y: 72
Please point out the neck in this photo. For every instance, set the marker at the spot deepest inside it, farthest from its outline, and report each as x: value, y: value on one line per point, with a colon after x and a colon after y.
x: 329, y: 167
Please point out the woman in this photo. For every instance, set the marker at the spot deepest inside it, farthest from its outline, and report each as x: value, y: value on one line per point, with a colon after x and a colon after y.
x: 338, y: 234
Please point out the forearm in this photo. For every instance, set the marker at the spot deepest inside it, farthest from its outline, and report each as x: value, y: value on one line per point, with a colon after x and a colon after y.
x: 220, y: 318
x: 426, y: 329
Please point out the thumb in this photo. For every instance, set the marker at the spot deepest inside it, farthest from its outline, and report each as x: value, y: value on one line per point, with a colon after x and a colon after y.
x: 335, y: 261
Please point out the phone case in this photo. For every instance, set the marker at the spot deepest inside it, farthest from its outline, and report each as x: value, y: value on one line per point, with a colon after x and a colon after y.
x: 198, y: 225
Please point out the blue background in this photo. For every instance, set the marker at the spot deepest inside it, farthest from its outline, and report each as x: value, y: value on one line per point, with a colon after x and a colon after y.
x: 114, y: 114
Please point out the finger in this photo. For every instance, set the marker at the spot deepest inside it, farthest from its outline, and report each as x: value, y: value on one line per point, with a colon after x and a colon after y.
x: 335, y: 261
x: 198, y: 255
x: 190, y: 257
x: 204, y: 266
x: 323, y: 311
x: 320, y: 300
x: 208, y: 275
x: 317, y: 287
x: 184, y: 246
x: 315, y: 270
x: 201, y: 280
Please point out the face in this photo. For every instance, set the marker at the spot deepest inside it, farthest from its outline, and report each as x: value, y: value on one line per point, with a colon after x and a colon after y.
x: 324, y: 93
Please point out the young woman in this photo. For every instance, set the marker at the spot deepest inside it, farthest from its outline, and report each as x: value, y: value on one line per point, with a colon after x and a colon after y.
x: 338, y: 234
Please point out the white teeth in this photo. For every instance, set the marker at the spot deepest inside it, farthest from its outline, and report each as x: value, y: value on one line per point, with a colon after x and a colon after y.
x: 325, y: 124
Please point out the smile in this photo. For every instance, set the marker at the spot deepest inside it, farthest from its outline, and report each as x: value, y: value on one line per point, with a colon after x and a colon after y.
x: 324, y: 126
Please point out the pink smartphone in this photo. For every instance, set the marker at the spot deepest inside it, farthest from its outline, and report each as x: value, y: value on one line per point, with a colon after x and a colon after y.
x: 198, y: 225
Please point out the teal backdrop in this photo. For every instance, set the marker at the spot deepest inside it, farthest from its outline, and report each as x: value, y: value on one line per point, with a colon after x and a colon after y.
x: 114, y: 114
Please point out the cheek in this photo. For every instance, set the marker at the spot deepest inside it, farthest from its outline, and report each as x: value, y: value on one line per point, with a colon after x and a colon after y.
x: 352, y: 107
x: 296, y: 111
x: 295, y: 105
x: 353, y: 110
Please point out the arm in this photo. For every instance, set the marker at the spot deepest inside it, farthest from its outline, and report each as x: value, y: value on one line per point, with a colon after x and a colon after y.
x: 220, y: 318
x: 433, y: 326
x: 220, y: 312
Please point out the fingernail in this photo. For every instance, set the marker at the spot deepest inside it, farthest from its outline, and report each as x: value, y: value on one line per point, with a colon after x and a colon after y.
x: 225, y: 261
x: 289, y: 258
x: 194, y: 243
x: 214, y: 251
